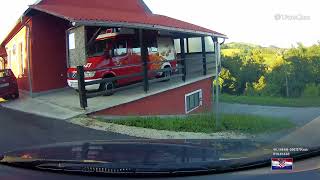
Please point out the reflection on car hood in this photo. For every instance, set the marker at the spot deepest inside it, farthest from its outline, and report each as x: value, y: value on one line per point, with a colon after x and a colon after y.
x: 138, y: 151
x: 146, y: 155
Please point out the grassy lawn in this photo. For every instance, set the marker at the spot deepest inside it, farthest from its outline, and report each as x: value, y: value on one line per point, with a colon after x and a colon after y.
x: 206, y: 123
x: 272, y: 101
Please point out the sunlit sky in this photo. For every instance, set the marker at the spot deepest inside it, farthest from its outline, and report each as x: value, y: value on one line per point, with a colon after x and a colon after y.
x: 265, y: 22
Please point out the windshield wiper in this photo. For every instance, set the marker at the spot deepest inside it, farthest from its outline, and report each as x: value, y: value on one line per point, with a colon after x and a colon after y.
x: 104, y: 168
x: 83, y: 166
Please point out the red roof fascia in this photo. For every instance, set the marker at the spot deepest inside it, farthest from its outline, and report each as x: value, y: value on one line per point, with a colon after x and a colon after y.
x: 14, y: 31
x: 3, y: 52
x: 134, y: 6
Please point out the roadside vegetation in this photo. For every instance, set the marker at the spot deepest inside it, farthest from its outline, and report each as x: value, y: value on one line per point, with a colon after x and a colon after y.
x: 205, y: 123
x: 271, y: 75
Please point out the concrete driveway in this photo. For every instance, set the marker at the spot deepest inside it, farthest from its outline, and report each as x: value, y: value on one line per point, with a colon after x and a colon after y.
x: 300, y: 116
x: 64, y: 103
x: 18, y: 130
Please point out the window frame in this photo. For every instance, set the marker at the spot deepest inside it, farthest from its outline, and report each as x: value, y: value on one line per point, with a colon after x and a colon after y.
x: 188, y: 47
x: 190, y: 94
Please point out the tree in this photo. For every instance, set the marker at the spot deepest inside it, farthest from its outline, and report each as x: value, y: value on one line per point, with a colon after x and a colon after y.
x: 270, y: 71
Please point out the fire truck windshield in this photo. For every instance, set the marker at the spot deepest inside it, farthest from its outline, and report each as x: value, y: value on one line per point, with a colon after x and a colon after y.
x: 98, y: 48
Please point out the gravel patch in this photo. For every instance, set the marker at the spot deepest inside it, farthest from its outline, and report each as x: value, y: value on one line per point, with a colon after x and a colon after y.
x: 152, y: 133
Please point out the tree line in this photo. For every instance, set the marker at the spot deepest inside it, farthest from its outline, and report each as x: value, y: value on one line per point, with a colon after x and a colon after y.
x: 270, y: 71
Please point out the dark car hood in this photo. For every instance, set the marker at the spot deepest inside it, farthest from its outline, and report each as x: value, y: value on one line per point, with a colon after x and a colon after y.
x: 150, y: 155
x: 139, y: 151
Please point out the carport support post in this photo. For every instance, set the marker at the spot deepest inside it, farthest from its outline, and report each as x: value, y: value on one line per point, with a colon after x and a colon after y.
x: 183, y: 59
x: 81, y: 87
x: 144, y: 56
x: 217, y: 84
x: 204, y: 56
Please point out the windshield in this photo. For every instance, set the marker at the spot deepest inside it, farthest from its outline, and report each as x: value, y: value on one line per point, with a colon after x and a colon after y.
x: 128, y: 86
x: 98, y: 48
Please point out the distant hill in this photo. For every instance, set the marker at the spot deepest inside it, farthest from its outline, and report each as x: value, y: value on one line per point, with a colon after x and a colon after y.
x: 271, y: 54
x: 239, y: 45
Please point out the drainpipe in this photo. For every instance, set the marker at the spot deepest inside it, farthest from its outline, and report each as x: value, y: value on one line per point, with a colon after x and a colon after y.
x: 28, y: 59
x: 218, y: 67
x: 220, y: 53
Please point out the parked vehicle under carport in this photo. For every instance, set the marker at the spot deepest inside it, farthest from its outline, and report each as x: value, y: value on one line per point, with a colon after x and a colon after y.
x: 116, y: 52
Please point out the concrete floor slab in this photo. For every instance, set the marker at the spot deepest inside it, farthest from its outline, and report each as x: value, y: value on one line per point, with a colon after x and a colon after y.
x: 65, y: 104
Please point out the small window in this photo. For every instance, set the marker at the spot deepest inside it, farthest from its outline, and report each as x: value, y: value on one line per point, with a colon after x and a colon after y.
x: 9, y: 59
x: 177, y: 45
x: 120, y: 48
x: 14, y: 48
x: 21, y: 60
x: 151, y: 44
x: 193, y: 100
x: 136, y: 50
x: 153, y: 49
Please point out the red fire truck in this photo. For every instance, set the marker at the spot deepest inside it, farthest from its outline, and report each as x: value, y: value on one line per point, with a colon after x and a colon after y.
x: 116, y: 52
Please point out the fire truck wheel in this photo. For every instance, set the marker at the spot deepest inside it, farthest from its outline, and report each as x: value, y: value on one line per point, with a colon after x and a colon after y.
x: 108, y: 87
x: 167, y: 73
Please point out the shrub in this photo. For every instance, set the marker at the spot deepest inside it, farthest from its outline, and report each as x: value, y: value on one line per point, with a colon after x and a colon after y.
x: 311, y: 90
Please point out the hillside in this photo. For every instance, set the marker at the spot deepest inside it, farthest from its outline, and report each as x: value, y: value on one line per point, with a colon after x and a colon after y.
x: 271, y: 55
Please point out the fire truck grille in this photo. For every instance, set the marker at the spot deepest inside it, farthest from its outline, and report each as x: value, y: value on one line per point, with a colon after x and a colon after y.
x: 72, y: 75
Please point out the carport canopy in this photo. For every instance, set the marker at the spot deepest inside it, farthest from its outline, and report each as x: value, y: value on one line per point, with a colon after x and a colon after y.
x: 133, y: 14
x: 118, y: 13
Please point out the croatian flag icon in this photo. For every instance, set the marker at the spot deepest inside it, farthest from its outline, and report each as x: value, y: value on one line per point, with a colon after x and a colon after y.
x: 281, y: 164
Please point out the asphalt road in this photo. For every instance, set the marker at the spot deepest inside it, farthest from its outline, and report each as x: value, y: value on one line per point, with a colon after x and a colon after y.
x: 18, y: 130
x: 300, y: 116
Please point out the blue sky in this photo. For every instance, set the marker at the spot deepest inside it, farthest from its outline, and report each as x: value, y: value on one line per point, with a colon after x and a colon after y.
x: 266, y: 22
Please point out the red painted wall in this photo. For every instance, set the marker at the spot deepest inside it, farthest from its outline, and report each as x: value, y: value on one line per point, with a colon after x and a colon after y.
x: 167, y: 103
x: 49, y: 64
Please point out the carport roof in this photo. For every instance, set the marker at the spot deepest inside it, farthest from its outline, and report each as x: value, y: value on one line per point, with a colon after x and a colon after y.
x: 121, y: 13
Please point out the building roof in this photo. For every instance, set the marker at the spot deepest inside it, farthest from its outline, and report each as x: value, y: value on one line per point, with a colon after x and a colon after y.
x: 129, y: 13
x: 19, y: 25
x: 3, y: 52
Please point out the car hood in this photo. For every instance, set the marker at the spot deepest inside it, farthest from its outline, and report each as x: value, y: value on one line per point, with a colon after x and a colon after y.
x: 139, y: 151
x: 152, y: 155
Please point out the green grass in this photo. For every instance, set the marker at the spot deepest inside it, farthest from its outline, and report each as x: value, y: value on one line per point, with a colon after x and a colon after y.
x: 272, y: 101
x: 205, y: 123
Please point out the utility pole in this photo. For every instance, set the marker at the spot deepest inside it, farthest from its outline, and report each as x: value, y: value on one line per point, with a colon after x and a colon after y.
x: 286, y: 74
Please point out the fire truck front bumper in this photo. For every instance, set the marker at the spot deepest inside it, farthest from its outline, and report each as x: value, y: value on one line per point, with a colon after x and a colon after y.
x: 74, y: 84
